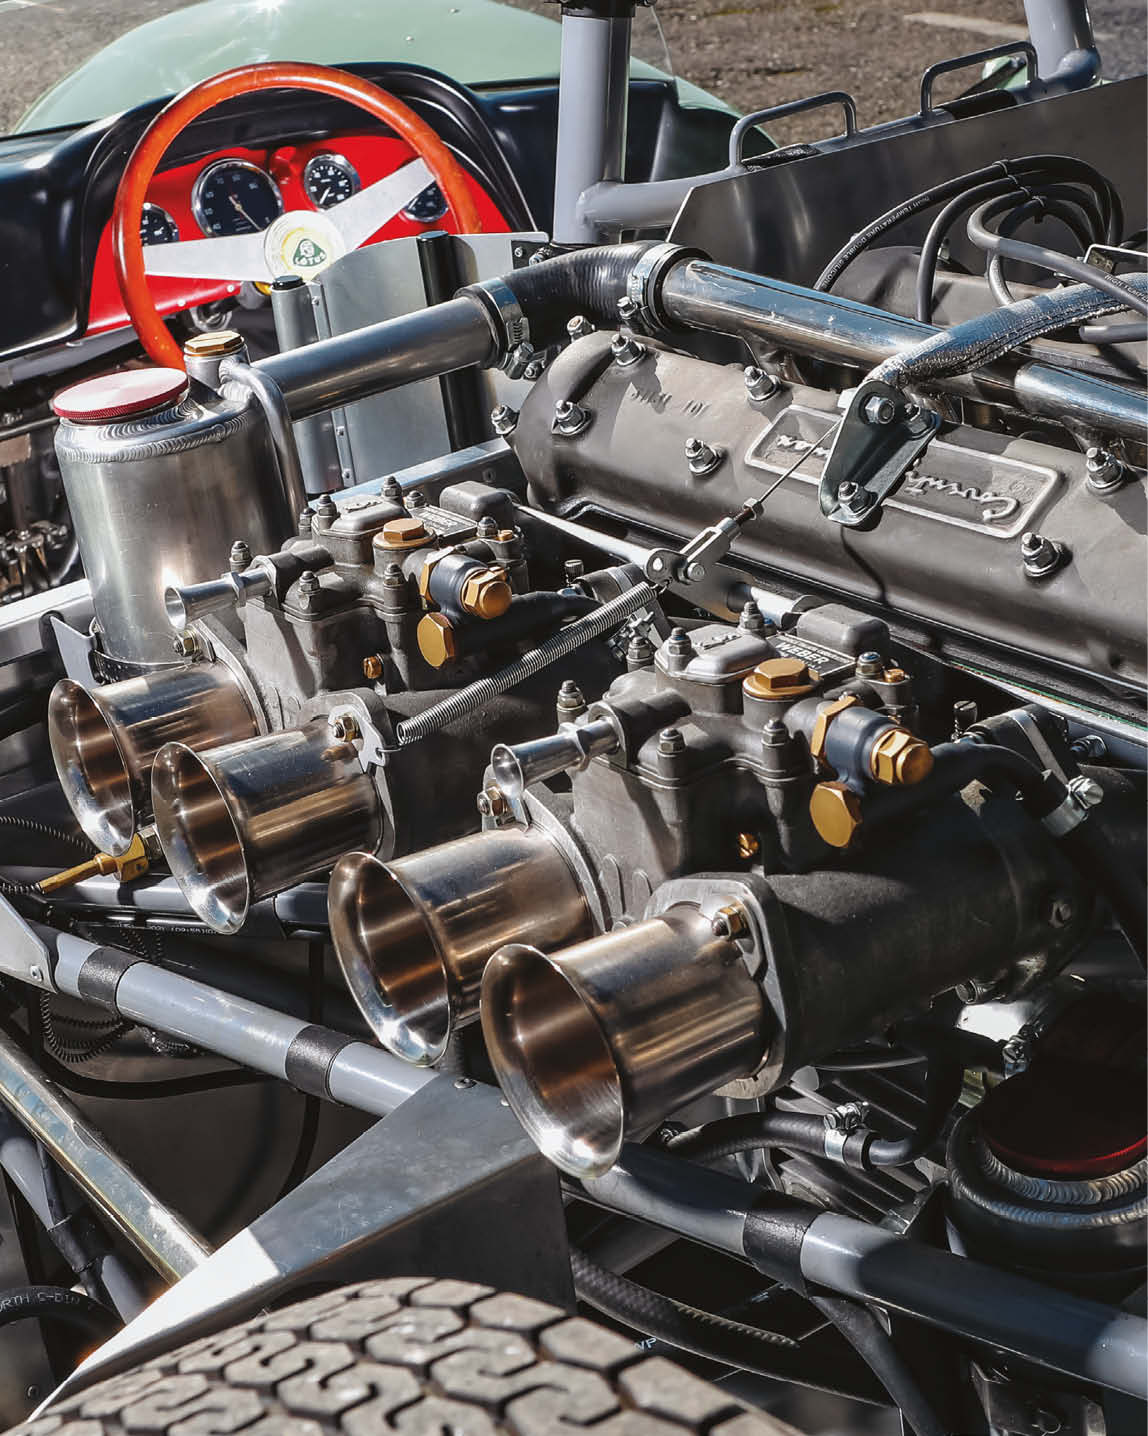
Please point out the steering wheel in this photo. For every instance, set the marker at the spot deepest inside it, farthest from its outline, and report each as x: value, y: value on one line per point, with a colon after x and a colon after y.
x: 308, y: 238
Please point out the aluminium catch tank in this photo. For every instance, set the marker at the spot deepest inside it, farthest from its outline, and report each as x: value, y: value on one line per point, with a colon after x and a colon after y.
x: 161, y: 479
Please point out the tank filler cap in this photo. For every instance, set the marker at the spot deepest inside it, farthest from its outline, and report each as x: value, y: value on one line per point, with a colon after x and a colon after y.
x: 125, y: 394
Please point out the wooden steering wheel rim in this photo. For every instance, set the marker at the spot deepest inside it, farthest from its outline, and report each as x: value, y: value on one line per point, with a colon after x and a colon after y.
x: 127, y: 248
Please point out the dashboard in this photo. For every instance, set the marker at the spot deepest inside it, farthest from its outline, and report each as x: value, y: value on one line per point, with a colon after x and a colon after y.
x: 242, y: 190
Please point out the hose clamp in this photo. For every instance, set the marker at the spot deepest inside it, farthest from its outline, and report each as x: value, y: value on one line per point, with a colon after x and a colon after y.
x: 1082, y: 796
x: 644, y: 282
x: 510, y: 324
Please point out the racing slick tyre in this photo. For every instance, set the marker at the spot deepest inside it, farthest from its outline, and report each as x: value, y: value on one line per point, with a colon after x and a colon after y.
x: 412, y: 1355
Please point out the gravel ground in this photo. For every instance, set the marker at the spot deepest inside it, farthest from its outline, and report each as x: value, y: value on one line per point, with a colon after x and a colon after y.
x: 750, y: 52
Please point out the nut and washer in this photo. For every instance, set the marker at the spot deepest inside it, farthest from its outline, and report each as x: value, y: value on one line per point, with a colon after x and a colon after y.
x: 759, y: 383
x: 1041, y: 556
x: 343, y: 727
x: 570, y: 419
x: 671, y: 742
x: 579, y: 327
x: 702, y: 458
x: 1105, y: 472
x: 186, y: 644
x: 503, y: 420
x: 627, y: 351
x: 730, y: 922
x: 879, y: 410
x: 239, y: 557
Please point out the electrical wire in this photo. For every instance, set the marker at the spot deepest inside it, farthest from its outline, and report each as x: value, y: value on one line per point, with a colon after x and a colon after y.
x: 309, y: 1126
x: 58, y: 1303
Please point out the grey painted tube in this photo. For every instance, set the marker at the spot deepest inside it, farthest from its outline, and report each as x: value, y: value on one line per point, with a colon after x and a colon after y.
x: 255, y: 1036
x: 1067, y: 1333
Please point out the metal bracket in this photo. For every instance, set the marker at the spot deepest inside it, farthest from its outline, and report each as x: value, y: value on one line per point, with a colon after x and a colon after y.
x: 75, y: 649
x: 882, y: 434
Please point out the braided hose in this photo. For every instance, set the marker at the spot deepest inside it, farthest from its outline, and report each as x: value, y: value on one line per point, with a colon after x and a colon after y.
x: 979, y: 341
x: 565, y: 641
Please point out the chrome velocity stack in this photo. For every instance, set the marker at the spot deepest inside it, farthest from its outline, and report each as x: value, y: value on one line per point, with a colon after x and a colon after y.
x: 241, y: 822
x: 104, y: 740
x: 598, y: 1042
x: 413, y: 936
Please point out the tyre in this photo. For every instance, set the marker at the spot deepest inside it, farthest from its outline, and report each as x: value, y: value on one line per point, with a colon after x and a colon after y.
x: 415, y: 1356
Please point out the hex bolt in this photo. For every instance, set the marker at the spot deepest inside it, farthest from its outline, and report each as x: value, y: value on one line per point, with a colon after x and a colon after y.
x: 869, y: 664
x: 534, y: 370
x: 702, y: 458
x: 774, y: 733
x: 1040, y: 556
x: 503, y: 420
x: 626, y: 350
x: 639, y: 652
x: 879, y: 410
x: 579, y: 327
x: 239, y: 557
x: 327, y: 508
x: 305, y: 520
x: 730, y: 922
x: 570, y: 418
x: 751, y: 619
x: 671, y: 742
x: 573, y: 569
x: 759, y: 384
x: 393, y: 490
x: 694, y: 572
x: 1089, y: 746
x: 416, y: 499
x: 186, y: 644
x: 571, y: 701
x: 627, y: 308
x: 1105, y: 471
x: 491, y: 802
x: 308, y: 583
x: 852, y: 496
x: 1086, y: 792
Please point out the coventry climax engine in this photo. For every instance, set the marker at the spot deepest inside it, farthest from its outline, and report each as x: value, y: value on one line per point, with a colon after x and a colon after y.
x: 720, y: 791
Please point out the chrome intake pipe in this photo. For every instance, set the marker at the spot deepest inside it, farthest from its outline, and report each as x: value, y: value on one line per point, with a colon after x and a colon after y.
x: 596, y: 1043
x: 105, y: 739
x: 244, y: 821
x: 413, y: 936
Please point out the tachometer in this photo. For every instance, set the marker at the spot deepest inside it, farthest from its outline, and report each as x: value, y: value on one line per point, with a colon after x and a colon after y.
x: 235, y: 197
x: 157, y: 226
x: 329, y: 179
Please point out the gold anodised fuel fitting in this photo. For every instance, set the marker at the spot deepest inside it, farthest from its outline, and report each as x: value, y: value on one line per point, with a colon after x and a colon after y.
x: 835, y: 813
x: 900, y: 758
x: 779, y: 678
x: 436, y: 639
x: 485, y: 593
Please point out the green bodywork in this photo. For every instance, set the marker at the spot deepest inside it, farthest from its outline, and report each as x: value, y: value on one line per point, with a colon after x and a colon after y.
x: 477, y: 42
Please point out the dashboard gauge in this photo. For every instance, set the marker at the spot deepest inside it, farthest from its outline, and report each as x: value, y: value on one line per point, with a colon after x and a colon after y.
x: 157, y: 226
x: 426, y: 207
x: 235, y: 197
x: 329, y: 179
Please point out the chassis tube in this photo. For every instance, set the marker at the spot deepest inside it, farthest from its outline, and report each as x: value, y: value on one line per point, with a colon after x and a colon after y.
x: 172, y: 1248
x: 315, y: 1059
x: 1056, y: 1329
x: 701, y: 295
x: 423, y: 345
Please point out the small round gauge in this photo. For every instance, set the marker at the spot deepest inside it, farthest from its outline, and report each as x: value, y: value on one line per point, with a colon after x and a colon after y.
x: 235, y: 197
x: 329, y: 179
x: 426, y: 207
x: 157, y: 226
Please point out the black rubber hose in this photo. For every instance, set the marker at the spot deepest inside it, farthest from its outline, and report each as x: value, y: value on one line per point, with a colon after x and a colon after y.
x: 585, y: 281
x: 1060, y: 166
x: 712, y: 1337
x: 868, y: 1338
x: 73, y: 1234
x: 930, y: 251
x: 309, y: 1125
x: 942, y: 1088
x: 57, y: 1303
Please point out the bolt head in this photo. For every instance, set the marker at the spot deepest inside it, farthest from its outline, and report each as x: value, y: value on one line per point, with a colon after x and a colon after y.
x: 416, y: 499
x: 694, y: 572
x: 730, y: 921
x: 671, y: 741
x: 240, y: 556
x: 627, y: 307
x: 579, y: 327
x: 1087, y: 791
x: 343, y: 727
x: 879, y: 410
x: 759, y: 384
x: 185, y: 644
x: 503, y: 420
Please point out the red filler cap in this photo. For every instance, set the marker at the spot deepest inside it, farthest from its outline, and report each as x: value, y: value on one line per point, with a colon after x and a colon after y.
x: 121, y: 395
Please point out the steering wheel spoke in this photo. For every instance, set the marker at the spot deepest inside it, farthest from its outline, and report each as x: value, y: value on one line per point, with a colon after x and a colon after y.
x: 365, y: 213
x: 232, y: 258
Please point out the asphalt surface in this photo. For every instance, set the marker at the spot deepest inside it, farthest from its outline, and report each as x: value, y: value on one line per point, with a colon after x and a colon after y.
x: 750, y: 52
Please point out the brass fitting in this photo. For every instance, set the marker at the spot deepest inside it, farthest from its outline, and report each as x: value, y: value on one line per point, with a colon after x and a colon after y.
x: 748, y: 845
x: 436, y: 639
x: 900, y: 758
x: 133, y: 864
x: 779, y: 678
x: 835, y: 813
x: 895, y: 675
x: 402, y: 534
x: 486, y: 593
x: 372, y: 667
x: 427, y: 569
x: 214, y: 344
x: 825, y: 717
